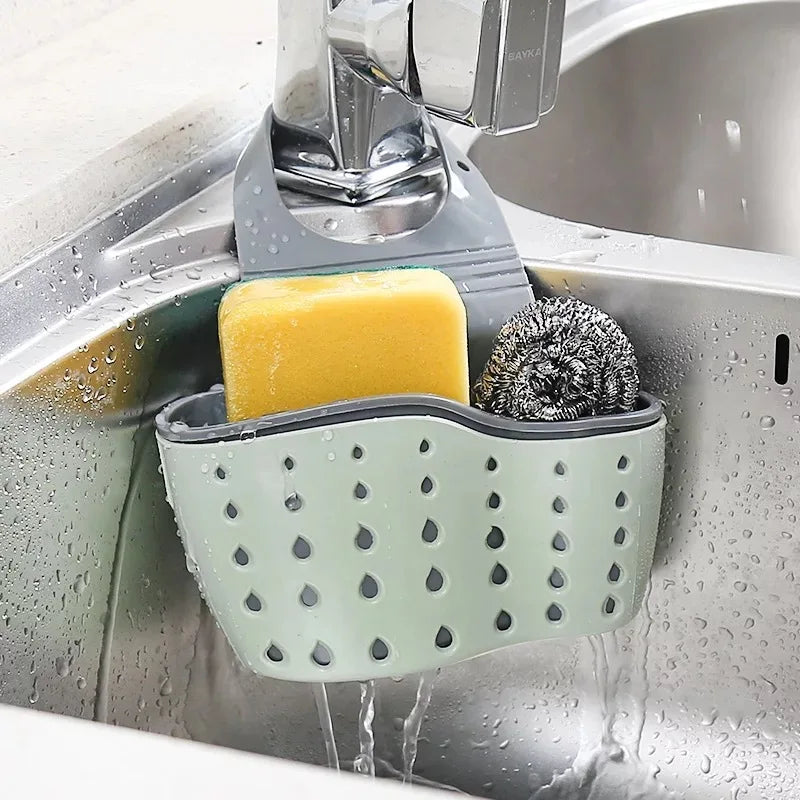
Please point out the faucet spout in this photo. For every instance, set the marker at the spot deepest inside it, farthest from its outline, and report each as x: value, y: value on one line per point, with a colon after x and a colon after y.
x: 356, y: 79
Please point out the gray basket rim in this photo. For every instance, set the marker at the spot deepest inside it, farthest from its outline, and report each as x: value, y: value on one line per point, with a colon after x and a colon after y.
x: 201, y: 418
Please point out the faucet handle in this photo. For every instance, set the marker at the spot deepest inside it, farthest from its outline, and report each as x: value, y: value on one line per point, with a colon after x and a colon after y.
x: 491, y: 64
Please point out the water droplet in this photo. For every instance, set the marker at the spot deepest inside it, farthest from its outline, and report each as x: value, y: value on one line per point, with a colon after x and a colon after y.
x: 166, y: 687
x: 111, y: 355
x: 705, y: 765
x: 274, y: 249
x: 331, y: 224
x: 327, y: 436
x: 734, y: 133
x: 92, y: 364
x: 767, y: 422
x: 257, y: 190
x: 701, y: 199
x: 733, y: 356
x: 76, y: 253
x: 77, y: 271
x: 139, y: 342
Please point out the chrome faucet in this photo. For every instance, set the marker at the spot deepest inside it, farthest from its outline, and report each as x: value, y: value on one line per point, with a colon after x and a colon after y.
x: 356, y: 79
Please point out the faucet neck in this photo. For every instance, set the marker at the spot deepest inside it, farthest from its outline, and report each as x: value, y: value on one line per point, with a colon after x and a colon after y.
x: 336, y: 133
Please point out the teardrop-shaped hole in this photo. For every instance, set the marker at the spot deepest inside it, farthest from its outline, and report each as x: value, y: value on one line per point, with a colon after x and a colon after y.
x: 494, y: 501
x: 434, y: 581
x: 620, y: 536
x: 368, y: 587
x: 560, y: 469
x: 622, y: 500
x: 253, y: 602
x: 293, y: 502
x: 555, y: 613
x: 424, y: 446
x: 361, y: 491
x: 288, y: 463
x: 444, y: 638
x: 240, y: 557
x: 365, y: 538
x: 357, y: 453
x: 491, y: 464
x: 609, y: 606
x: 430, y: 532
x: 560, y: 543
x: 623, y: 463
x: 309, y: 597
x: 556, y: 579
x: 615, y: 573
x: 231, y: 512
x: 379, y: 650
x: 499, y: 574
x: 503, y: 621
x: 301, y: 548
x: 427, y: 485
x: 559, y: 505
x: 496, y: 538
x: 274, y: 654
x: 220, y: 473
x: 321, y: 655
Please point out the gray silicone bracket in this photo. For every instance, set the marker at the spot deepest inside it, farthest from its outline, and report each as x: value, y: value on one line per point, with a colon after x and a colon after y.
x: 468, y: 240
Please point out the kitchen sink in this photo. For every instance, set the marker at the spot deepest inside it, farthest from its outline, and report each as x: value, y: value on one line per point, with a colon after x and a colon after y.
x: 700, y: 696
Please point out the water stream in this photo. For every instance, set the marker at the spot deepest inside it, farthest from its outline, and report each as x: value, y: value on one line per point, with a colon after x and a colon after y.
x: 413, y: 722
x: 365, y: 760
x: 325, y: 723
x: 609, y: 767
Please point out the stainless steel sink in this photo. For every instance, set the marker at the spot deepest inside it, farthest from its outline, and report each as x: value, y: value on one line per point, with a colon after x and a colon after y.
x: 684, y: 128
x: 100, y: 619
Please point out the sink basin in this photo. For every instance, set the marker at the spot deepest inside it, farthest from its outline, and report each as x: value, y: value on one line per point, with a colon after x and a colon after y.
x: 684, y: 128
x: 699, y: 697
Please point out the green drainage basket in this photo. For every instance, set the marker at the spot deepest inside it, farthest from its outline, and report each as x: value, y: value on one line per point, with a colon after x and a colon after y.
x: 388, y: 536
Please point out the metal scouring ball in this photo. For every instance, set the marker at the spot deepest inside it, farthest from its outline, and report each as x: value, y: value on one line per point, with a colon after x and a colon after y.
x: 559, y: 359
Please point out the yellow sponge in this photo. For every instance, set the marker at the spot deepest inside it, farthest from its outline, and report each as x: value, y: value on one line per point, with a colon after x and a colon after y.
x: 290, y: 343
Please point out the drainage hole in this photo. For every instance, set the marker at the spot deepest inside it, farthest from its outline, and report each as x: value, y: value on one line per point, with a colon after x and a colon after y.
x: 499, y: 574
x: 560, y: 542
x: 368, y: 587
x: 220, y: 473
x: 494, y: 501
x: 231, y: 512
x: 430, y: 532
x: 556, y: 579
x: 274, y: 654
x: 379, y: 650
x: 358, y: 453
x: 444, y: 638
x: 491, y: 464
x: 620, y: 536
x: 559, y: 505
x: 426, y: 487
x: 293, y: 502
x: 301, y: 548
x: 503, y: 621
x: 424, y: 446
x: 361, y: 491
x: 241, y: 557
x: 288, y: 463
x: 555, y: 613
x: 560, y: 469
x: 615, y: 573
x: 321, y: 656
x: 621, y: 501
x: 365, y: 538
x: 253, y: 602
x: 309, y: 597
x: 434, y: 581
x: 609, y: 606
x: 496, y: 538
